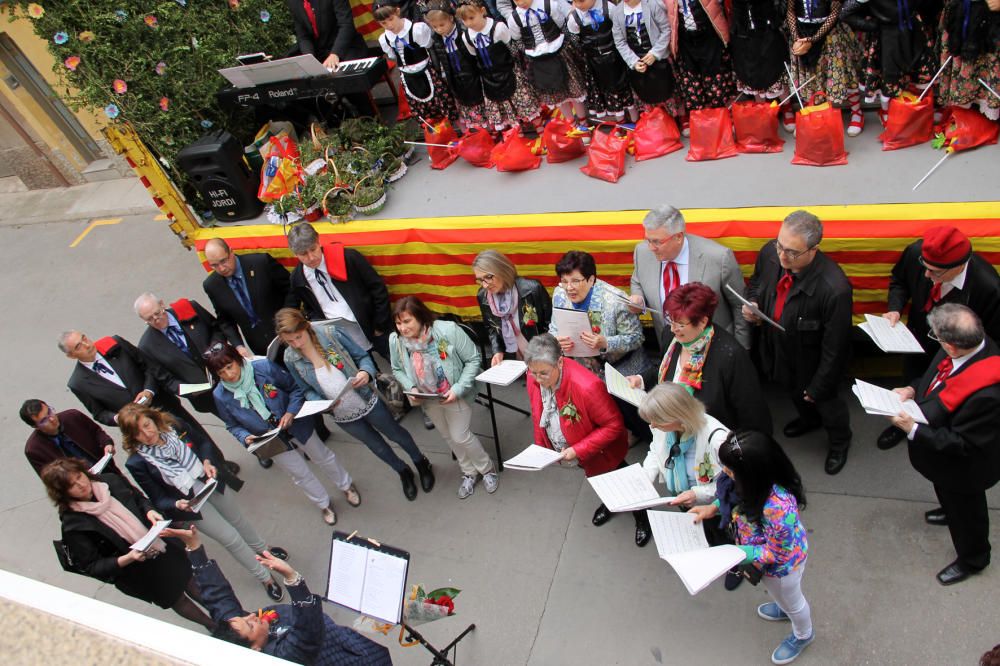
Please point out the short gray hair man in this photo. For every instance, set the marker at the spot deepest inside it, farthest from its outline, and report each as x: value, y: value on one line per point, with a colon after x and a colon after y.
x: 302, y: 237
x: 956, y: 325
x: 145, y: 298
x: 806, y: 225
x: 665, y: 217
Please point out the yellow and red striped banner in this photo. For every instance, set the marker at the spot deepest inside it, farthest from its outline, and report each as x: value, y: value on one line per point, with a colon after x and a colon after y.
x: 431, y: 257
x: 364, y: 21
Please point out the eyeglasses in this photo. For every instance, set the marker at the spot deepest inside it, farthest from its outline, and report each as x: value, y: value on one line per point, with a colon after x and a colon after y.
x: 155, y: 314
x: 932, y: 336
x: 48, y: 418
x: 221, y: 262
x: 791, y: 254
x: 933, y: 272
x: 653, y: 242
x: 676, y: 325
x: 572, y: 282
x: 675, y: 451
x: 214, y: 349
x: 486, y: 278
x: 542, y: 374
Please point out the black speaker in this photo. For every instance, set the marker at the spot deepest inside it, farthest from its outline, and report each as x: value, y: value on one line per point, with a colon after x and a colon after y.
x: 216, y: 167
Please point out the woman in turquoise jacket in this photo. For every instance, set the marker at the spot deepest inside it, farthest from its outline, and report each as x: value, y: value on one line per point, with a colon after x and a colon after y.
x: 437, y: 364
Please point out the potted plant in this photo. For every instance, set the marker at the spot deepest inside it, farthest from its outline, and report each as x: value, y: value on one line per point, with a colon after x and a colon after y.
x: 337, y: 204
x: 369, y: 195
x: 285, y: 210
x: 311, y: 194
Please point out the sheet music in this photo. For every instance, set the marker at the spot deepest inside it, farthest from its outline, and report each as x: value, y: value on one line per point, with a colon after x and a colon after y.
x: 101, y: 464
x: 625, y: 489
x: 263, y: 439
x: 618, y: 385
x: 883, y: 402
x: 676, y: 533
x: 625, y: 301
x: 423, y: 396
x: 504, y: 374
x: 533, y: 458
x: 188, y: 389
x: 347, y: 574
x: 888, y: 338
x: 697, y: 569
x: 199, y: 500
x: 385, y: 584
x: 755, y: 309
x: 310, y: 407
x: 147, y: 539
x: 572, y: 323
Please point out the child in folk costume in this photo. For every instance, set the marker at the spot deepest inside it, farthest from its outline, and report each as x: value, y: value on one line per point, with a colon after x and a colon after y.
x: 970, y: 32
x: 608, y: 92
x: 642, y: 37
x: 508, y: 98
x: 407, y: 43
x: 553, y: 63
x: 461, y: 73
x: 699, y: 38
x: 823, y: 46
x: 758, y: 49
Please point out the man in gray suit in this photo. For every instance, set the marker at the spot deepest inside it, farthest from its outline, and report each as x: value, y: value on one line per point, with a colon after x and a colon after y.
x: 669, y: 257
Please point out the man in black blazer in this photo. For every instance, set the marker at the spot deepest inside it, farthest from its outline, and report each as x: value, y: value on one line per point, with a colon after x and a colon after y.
x: 957, y: 450
x: 939, y: 268
x: 66, y: 434
x: 336, y: 282
x: 111, y: 372
x: 246, y: 291
x: 325, y: 29
x: 806, y: 292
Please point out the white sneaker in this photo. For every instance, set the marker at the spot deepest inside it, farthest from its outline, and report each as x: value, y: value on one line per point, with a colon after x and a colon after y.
x: 491, y: 481
x: 467, y: 488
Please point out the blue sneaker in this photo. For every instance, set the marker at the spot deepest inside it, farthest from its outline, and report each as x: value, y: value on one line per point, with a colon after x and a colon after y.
x: 770, y: 611
x: 791, y: 648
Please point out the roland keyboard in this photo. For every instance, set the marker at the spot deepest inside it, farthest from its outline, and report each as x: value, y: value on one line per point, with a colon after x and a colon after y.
x: 352, y: 76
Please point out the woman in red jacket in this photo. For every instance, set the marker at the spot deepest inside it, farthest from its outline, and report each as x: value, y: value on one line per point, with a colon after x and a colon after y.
x: 573, y: 413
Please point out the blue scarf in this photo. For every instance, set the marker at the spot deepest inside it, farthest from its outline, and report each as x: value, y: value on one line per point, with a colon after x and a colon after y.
x: 246, y: 392
x: 677, y: 478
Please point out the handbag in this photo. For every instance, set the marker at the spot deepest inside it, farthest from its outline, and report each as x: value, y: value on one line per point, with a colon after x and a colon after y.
x: 819, y: 134
x: 513, y: 153
x: 756, y: 125
x: 476, y: 148
x: 390, y: 391
x: 65, y: 559
x: 711, y: 135
x: 606, y: 155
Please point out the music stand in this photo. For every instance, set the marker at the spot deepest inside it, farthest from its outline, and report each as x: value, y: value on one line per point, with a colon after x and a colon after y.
x: 370, y: 578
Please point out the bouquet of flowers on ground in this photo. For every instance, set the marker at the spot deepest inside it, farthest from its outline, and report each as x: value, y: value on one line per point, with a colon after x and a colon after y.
x: 420, y: 607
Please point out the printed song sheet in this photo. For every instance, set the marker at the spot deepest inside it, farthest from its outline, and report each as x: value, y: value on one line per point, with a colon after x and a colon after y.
x: 263, y: 439
x: 626, y: 302
x: 890, y: 339
x: 883, y: 402
x: 147, y: 539
x: 101, y: 464
x: 310, y: 407
x: 199, y: 500
x: 755, y: 309
x: 504, y: 374
x: 618, y: 386
x: 533, y: 459
x: 347, y: 574
x: 627, y: 489
x: 682, y: 544
x: 188, y: 389
x: 572, y: 323
x: 366, y: 580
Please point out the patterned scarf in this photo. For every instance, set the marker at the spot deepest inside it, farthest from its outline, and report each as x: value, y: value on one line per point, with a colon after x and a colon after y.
x: 504, y: 305
x: 115, y: 515
x: 426, y: 361
x: 549, y: 420
x: 177, y: 464
x: 246, y: 392
x: 690, y: 375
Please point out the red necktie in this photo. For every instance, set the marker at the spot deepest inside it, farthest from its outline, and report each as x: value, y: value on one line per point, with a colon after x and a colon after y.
x: 944, y: 369
x: 934, y: 297
x: 671, y: 280
x: 784, y: 285
x: 311, y: 15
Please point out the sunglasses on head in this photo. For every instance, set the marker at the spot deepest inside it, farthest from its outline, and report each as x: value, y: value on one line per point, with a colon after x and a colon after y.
x: 217, y: 348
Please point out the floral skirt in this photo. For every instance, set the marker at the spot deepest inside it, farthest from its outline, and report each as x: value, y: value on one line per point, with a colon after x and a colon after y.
x: 959, y: 84
x: 603, y: 100
x: 522, y: 105
x: 836, y: 70
x: 704, y: 70
x: 877, y: 80
x: 440, y: 105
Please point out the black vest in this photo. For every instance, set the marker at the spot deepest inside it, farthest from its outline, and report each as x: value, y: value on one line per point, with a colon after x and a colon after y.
x: 820, y: 8
x: 410, y: 54
x: 464, y: 81
x: 550, y: 30
x: 600, y: 41
x: 497, y: 74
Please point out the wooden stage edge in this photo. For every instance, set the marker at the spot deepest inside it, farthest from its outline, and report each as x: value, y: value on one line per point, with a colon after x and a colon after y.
x: 431, y: 257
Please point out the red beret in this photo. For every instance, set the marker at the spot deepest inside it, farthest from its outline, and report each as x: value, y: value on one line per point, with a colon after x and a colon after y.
x: 945, y: 247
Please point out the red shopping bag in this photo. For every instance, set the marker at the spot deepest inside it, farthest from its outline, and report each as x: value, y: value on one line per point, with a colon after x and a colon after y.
x: 655, y: 135
x: 514, y: 153
x: 476, y: 148
x: 819, y: 134
x: 562, y: 141
x: 968, y: 129
x: 606, y: 154
x: 909, y: 122
x: 443, y: 136
x: 711, y: 135
x: 756, y: 126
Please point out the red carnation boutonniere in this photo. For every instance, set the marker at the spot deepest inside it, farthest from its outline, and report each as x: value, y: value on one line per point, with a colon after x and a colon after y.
x: 270, y: 390
x: 442, y: 349
x: 334, y: 358
x: 595, y: 321
x: 568, y: 412
x: 530, y: 315
x: 270, y: 616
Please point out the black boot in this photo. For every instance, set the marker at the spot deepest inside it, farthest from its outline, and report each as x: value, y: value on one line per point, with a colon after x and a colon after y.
x: 409, y: 487
x: 643, y: 532
x: 426, y: 475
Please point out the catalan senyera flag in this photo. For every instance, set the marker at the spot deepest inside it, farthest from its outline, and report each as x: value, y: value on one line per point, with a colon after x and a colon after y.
x: 431, y: 257
x: 364, y: 21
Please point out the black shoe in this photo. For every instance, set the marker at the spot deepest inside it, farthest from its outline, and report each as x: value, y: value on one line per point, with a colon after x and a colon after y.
x: 733, y: 580
x: 936, y: 517
x: 601, y: 516
x: 428, y: 423
x: 426, y: 475
x: 278, y: 552
x: 955, y: 572
x: 835, y: 461
x: 274, y: 590
x: 889, y: 438
x: 409, y: 487
x: 798, y: 427
x: 232, y: 467
x: 265, y: 462
x: 642, y: 535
